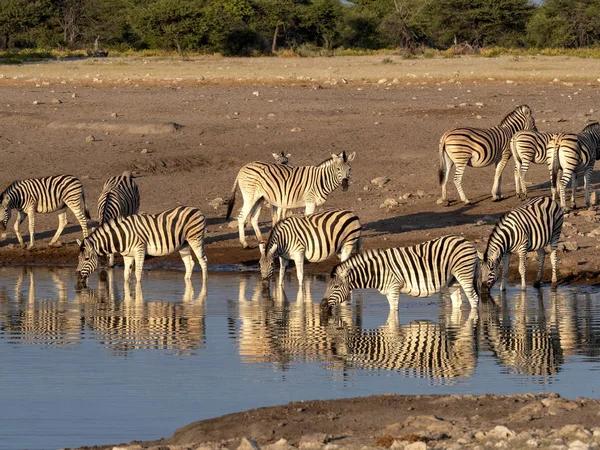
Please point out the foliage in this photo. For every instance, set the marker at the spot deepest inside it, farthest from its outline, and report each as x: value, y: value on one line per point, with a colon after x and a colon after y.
x: 19, y: 15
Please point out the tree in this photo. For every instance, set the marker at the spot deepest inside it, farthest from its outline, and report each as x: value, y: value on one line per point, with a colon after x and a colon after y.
x: 19, y: 15
x: 322, y: 18
x: 277, y: 15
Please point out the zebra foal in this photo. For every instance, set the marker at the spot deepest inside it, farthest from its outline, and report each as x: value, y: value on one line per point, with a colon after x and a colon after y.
x: 120, y: 197
x: 44, y: 195
x: 480, y: 147
x: 530, y: 227
x: 287, y: 187
x: 182, y: 228
x: 419, y: 271
x: 315, y: 238
x: 573, y: 154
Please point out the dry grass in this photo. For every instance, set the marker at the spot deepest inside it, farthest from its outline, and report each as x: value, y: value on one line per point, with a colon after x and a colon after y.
x: 199, y: 70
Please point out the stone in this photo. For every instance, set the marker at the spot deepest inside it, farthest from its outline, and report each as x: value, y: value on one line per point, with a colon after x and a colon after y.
x: 144, y: 150
x: 114, y: 114
x: 576, y: 431
x: 389, y: 203
x: 256, y: 93
x: 90, y: 138
x: 380, y: 181
x: 56, y: 101
x: 73, y: 95
x: 533, y: 443
x: 215, y: 203
x: 382, y: 81
x: 248, y: 444
x: 578, y: 445
x: 36, y: 102
x: 571, y: 246
x: 501, y: 432
x: 406, y: 196
x: 416, y: 446
x: 421, y: 193
x: 232, y: 225
x: 312, y: 441
x: 281, y: 444
x: 296, y: 129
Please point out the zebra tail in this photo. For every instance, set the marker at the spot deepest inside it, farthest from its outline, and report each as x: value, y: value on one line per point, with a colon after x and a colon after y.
x: 442, y: 167
x: 555, y: 164
x: 231, y: 201
x: 85, y: 208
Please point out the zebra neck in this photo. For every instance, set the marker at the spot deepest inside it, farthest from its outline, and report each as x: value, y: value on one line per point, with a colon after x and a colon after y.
x: 327, y: 180
x: 15, y: 201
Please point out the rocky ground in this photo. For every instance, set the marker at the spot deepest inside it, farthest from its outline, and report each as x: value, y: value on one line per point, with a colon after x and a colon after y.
x: 186, y: 140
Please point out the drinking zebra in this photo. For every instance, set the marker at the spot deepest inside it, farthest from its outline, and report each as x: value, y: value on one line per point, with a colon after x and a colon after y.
x: 120, y: 197
x: 419, y: 271
x: 315, y: 237
x: 287, y: 187
x: 480, y: 147
x: 44, y: 195
x: 181, y: 228
x: 530, y: 227
x: 574, y: 154
x: 528, y: 147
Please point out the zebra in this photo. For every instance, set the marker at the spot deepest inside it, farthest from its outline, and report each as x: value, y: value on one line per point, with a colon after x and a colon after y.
x: 574, y: 154
x: 528, y: 147
x: 530, y: 227
x: 419, y: 271
x: 181, y: 228
x: 287, y: 187
x: 282, y: 158
x: 44, y: 195
x: 120, y: 197
x: 315, y: 237
x: 480, y: 147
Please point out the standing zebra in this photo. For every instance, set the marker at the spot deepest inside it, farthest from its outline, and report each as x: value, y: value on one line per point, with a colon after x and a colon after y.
x: 44, y: 195
x: 181, y: 228
x: 315, y: 237
x: 287, y: 187
x: 480, y: 147
x: 282, y: 158
x: 530, y: 227
x: 419, y: 271
x: 120, y: 197
x: 574, y: 154
x: 528, y: 147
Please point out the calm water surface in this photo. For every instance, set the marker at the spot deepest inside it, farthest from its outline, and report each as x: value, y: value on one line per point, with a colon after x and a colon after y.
x: 111, y: 364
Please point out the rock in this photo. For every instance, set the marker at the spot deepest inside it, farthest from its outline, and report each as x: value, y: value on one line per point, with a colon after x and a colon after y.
x: 389, y: 203
x: 556, y: 80
x: 380, y: 181
x: 312, y: 441
x: 114, y: 114
x: 281, y: 444
x: 406, y: 196
x: 56, y: 101
x: 215, y: 203
x: 501, y: 432
x: 480, y: 435
x: 479, y: 223
x: 73, y: 95
x: 510, y: 81
x: 421, y: 193
x: 382, y: 81
x: 594, y: 233
x: 416, y: 446
x: 256, y: 93
x: 90, y: 138
x: 232, y: 225
x: 533, y: 443
x: 478, y: 103
x: 578, y: 445
x: 144, y: 150
x: 587, y: 212
x: 248, y: 444
x: 571, y: 246
x: 577, y: 431
x: 36, y: 102
x: 296, y: 129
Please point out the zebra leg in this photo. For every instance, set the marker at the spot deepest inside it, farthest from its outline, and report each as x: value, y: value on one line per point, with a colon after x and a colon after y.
x: 586, y: 181
x: 128, y: 263
x: 198, y: 249
x: 573, y: 190
x: 522, y: 266
x: 139, y: 264
x: 456, y: 297
x: 393, y: 298
x: 468, y: 286
x: 283, y: 263
x: 505, y: 263
x: 447, y: 165
x: 518, y: 187
x: 79, y: 211
x: 541, y: 256
x: 111, y: 260
x: 554, y: 262
x: 243, y: 216
x: 299, y: 260
x: 31, y: 217
x: 62, y: 223
x: 254, y: 216
x: 347, y: 250
x: 496, y: 190
x: 18, y: 222
x: 522, y: 173
x: 458, y: 174
x: 188, y: 261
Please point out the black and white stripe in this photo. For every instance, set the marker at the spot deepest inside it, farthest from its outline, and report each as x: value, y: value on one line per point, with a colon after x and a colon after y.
x: 528, y: 147
x: 530, y: 227
x: 480, y: 147
x: 419, y: 271
x: 287, y: 187
x: 182, y: 228
x: 315, y: 238
x: 574, y: 154
x: 44, y: 195
x: 120, y: 197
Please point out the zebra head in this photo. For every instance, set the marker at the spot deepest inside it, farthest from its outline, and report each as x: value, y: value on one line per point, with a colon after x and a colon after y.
x: 88, y: 261
x: 490, y: 268
x: 4, y: 212
x: 520, y: 119
x: 338, y: 289
x: 282, y: 159
x: 266, y: 261
x: 342, y: 167
x: 592, y: 130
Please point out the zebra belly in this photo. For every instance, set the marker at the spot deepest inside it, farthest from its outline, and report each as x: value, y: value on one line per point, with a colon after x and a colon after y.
x: 154, y: 250
x: 422, y: 290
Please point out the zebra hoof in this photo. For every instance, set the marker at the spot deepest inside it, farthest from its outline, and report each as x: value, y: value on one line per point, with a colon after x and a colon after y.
x: 537, y: 284
x: 498, y: 199
x: 553, y: 286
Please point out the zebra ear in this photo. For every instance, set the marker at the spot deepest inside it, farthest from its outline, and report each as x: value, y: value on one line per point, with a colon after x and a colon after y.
x: 351, y: 156
x: 288, y: 155
x: 275, y: 155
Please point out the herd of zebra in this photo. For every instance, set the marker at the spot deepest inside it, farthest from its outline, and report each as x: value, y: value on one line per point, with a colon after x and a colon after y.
x: 420, y: 270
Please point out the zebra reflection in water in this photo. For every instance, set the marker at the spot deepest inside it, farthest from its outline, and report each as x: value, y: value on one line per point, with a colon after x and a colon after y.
x: 128, y: 323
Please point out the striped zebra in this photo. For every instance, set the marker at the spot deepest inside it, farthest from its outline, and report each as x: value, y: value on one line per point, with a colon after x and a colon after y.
x: 480, y: 147
x: 120, y: 197
x: 44, y: 195
x: 287, y: 187
x: 419, y: 271
x: 530, y: 227
x: 315, y: 237
x: 574, y: 154
x: 528, y: 147
x: 282, y: 158
x: 181, y: 228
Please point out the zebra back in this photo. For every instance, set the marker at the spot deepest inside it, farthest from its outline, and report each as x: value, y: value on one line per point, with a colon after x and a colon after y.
x: 120, y: 197
x: 530, y: 146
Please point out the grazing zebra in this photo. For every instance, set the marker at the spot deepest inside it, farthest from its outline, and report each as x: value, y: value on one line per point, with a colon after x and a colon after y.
x: 282, y: 158
x: 315, y: 237
x: 120, y: 197
x: 135, y: 236
x: 574, y: 154
x: 419, y: 271
x: 480, y: 147
x: 532, y: 226
x: 528, y: 147
x: 287, y: 187
x: 44, y: 195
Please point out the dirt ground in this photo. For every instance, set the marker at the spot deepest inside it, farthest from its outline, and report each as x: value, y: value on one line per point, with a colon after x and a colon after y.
x: 186, y: 138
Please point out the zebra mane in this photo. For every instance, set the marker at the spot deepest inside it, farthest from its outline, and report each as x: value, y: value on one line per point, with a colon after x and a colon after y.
x: 328, y: 162
x: 590, y: 125
x: 521, y: 109
x: 498, y: 224
x: 361, y: 256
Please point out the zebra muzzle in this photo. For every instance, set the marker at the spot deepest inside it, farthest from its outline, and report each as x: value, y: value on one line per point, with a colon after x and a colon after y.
x: 345, y: 184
